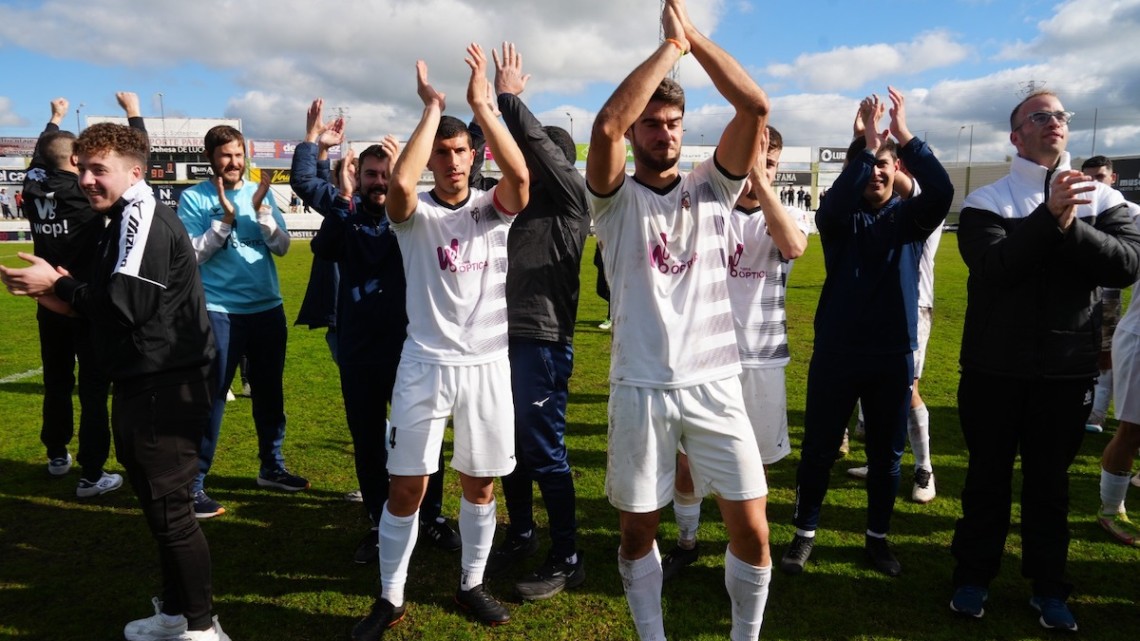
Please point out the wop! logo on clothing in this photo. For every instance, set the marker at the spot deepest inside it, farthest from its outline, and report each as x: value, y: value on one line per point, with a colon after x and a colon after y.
x: 450, y: 259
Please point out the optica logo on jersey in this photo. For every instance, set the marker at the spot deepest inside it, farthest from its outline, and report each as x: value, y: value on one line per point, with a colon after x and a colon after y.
x: 661, y: 260
x: 736, y: 271
x: 449, y: 259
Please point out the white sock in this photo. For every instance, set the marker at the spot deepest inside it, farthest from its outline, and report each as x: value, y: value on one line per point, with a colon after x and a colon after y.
x: 1113, y: 490
x: 398, y: 536
x: 642, y: 582
x: 807, y: 534
x: 747, y: 587
x: 876, y: 535
x: 687, y: 509
x: 477, y: 530
x: 918, y: 428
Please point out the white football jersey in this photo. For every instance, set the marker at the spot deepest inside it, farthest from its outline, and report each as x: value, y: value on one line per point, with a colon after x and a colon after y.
x: 455, y: 263
x: 757, y: 282
x: 666, y: 263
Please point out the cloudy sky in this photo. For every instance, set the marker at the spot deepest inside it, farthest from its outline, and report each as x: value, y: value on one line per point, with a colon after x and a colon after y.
x: 962, y: 63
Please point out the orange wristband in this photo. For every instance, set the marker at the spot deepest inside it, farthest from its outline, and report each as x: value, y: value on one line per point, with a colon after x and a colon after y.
x: 676, y: 43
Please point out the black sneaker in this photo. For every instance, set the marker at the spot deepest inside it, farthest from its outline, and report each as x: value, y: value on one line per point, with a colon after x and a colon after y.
x: 283, y: 480
x: 676, y: 559
x: 368, y: 550
x: 510, y: 552
x: 383, y: 616
x: 797, y: 554
x: 206, y: 507
x: 552, y: 577
x: 881, y: 557
x: 485, y: 608
x: 440, y: 534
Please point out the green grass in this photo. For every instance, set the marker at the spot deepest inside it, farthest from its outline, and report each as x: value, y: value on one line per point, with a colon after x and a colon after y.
x: 73, y: 569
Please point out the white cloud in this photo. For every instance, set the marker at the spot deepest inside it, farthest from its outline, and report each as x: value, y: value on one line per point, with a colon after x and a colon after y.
x: 852, y: 67
x: 8, y: 118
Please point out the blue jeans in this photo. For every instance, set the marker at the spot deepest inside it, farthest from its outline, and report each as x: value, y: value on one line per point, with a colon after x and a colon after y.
x: 540, y: 376
x: 835, y: 381
x: 261, y: 338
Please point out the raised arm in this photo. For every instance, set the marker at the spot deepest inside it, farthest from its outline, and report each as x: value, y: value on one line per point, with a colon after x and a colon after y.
x: 401, y: 201
x: 605, y: 165
x: 736, y: 151
x: 129, y: 101
x: 305, y: 178
x: 785, y: 233
x: 513, y: 191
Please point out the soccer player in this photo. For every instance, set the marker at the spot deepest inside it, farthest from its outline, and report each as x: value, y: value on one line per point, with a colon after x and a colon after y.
x: 544, y: 249
x: 764, y: 238
x: 674, y: 373
x: 147, y: 311
x: 454, y: 363
x: 1039, y: 244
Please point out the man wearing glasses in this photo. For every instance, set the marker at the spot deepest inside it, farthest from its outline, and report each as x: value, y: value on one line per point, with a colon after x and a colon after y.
x: 1039, y: 243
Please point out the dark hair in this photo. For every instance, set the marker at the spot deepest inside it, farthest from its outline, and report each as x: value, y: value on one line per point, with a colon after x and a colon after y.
x: 452, y: 127
x: 56, y: 148
x: 561, y: 137
x: 373, y: 151
x: 1097, y: 161
x: 1013, y: 124
x: 775, y: 140
x: 107, y: 137
x: 670, y: 93
x: 221, y: 135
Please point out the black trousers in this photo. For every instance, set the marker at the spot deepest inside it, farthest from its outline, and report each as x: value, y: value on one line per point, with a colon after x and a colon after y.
x: 62, y: 341
x: 157, y: 434
x: 1044, y: 422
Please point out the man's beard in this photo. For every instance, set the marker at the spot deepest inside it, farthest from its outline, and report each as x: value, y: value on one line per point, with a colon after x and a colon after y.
x: 649, y: 161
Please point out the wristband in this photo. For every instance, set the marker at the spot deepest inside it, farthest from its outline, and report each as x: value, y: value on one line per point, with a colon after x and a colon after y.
x: 676, y: 43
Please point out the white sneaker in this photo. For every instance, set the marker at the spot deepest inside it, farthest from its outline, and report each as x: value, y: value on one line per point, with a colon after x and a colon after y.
x: 60, y: 466
x: 857, y: 472
x: 230, y: 396
x: 606, y: 324
x: 923, y: 491
x: 106, y: 483
x: 155, y: 628
x: 213, y: 634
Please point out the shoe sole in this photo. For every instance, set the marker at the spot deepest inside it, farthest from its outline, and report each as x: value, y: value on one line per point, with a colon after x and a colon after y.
x: 1118, y: 536
x: 1045, y: 625
x: 209, y: 515
x: 569, y: 585
x: 466, y: 610
x: 97, y: 492
x: 964, y: 613
x: 280, y: 486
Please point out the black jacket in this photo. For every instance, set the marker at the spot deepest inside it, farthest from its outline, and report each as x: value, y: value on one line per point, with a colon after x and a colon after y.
x: 1033, y: 296
x: 144, y: 298
x: 545, y: 243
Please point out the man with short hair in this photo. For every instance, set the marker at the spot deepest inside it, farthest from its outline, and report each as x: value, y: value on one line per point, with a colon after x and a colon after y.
x: 65, y: 232
x: 146, y: 306
x: 866, y: 322
x: 1039, y: 244
x: 357, y: 237
x: 235, y: 245
x: 674, y: 372
x: 454, y: 363
x: 764, y: 239
x: 6, y: 203
x: 544, y: 249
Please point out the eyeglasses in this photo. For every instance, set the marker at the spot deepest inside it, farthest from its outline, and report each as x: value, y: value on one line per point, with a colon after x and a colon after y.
x: 1042, y: 118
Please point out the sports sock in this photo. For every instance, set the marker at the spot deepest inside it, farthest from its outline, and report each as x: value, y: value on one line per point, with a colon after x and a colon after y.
x: 687, y: 509
x: 642, y: 581
x: 807, y: 534
x: 398, y: 536
x: 918, y: 428
x: 477, y: 530
x: 747, y: 587
x: 1113, y: 490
